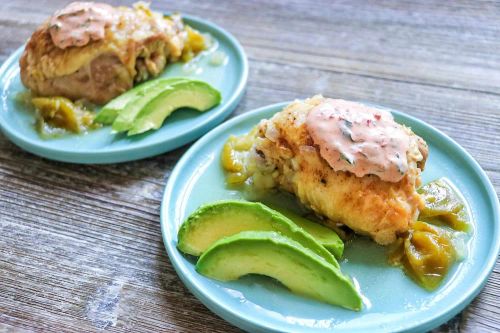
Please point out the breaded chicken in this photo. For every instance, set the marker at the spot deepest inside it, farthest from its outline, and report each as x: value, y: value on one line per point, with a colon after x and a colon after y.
x: 136, y: 46
x: 284, y: 151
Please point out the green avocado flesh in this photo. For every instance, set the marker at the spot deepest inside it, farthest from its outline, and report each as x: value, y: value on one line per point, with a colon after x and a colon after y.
x: 110, y: 111
x: 127, y: 117
x: 325, y: 236
x: 271, y: 254
x: 192, y: 94
x: 211, y: 222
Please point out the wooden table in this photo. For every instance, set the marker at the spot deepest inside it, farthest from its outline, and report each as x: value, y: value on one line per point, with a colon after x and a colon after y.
x: 80, y: 245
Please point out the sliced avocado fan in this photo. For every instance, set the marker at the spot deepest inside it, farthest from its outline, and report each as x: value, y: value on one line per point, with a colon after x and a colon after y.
x: 126, y: 118
x: 271, y: 254
x: 191, y: 94
x: 214, y: 221
x: 110, y: 111
x: 325, y: 236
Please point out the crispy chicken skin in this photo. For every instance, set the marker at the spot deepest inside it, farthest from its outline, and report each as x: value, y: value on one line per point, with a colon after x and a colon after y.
x: 284, y: 150
x: 137, y: 45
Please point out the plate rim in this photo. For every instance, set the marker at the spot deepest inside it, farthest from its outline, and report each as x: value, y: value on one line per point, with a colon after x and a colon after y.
x: 124, y: 154
x: 239, y: 320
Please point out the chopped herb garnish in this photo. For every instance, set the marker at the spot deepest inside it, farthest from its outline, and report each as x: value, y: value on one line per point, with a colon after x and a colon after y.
x: 345, y: 128
x: 345, y: 158
x: 400, y: 169
x: 56, y: 26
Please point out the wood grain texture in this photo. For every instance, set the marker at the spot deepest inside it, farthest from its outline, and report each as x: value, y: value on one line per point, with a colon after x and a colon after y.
x: 80, y: 246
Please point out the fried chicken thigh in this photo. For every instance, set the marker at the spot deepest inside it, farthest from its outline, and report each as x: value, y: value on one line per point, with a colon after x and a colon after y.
x: 137, y: 44
x: 284, y: 150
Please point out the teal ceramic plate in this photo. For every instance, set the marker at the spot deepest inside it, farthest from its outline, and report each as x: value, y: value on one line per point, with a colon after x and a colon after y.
x: 394, y: 303
x: 102, y: 146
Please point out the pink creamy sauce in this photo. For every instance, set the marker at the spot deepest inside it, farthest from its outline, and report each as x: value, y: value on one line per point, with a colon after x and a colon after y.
x: 359, y: 139
x: 79, y: 23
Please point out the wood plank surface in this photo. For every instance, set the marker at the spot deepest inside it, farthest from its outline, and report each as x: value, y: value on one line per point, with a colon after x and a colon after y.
x: 80, y: 245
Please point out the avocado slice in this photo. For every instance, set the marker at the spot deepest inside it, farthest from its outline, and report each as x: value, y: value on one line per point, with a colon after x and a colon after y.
x: 325, y: 236
x: 271, y: 254
x: 125, y: 119
x: 110, y: 111
x: 192, y: 94
x: 214, y: 221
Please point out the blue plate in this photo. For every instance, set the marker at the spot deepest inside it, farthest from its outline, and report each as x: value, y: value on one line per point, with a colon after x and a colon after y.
x: 393, y: 302
x: 102, y: 146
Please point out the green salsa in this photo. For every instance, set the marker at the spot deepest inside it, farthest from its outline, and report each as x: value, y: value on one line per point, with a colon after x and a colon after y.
x: 442, y: 202
x: 430, y: 248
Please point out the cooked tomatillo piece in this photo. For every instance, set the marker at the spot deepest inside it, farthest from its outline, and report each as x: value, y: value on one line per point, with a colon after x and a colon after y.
x: 234, y: 158
x: 211, y: 222
x: 271, y: 254
x: 443, y: 202
x: 427, y: 254
x: 195, y: 43
x: 232, y: 148
x: 434, y: 243
x: 60, y: 112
